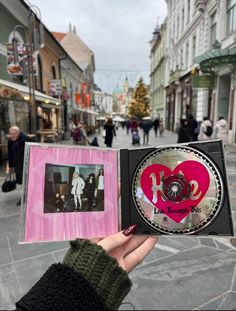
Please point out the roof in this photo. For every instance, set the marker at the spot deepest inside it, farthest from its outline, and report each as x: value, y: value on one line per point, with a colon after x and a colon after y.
x: 77, y: 49
x: 59, y: 35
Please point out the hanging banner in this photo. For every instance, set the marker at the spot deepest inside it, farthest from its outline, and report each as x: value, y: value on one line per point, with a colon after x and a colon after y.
x: 55, y: 88
x: 19, y: 60
x: 78, y: 98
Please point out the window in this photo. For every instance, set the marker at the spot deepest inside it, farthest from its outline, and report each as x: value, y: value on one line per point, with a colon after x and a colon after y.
x: 182, y: 26
x: 194, y: 46
x: 181, y: 58
x: 213, y: 29
x: 177, y: 27
x: 188, y: 12
x: 187, y: 54
x: 231, y: 18
x: 54, y: 75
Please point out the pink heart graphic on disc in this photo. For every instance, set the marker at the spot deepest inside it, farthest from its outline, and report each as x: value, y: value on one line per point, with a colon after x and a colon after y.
x: 195, y: 176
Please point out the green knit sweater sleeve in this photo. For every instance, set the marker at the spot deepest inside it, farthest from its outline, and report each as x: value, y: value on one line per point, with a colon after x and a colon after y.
x: 109, y: 280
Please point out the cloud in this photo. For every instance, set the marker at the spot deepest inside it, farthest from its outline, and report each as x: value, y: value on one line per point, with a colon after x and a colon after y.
x: 118, y: 31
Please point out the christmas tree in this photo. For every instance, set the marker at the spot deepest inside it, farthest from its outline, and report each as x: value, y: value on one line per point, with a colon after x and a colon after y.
x: 139, y: 105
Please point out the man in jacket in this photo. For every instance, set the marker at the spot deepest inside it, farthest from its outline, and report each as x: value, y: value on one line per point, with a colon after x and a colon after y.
x: 16, y: 149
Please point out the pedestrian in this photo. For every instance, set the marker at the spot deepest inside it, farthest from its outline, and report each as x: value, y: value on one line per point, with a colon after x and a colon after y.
x: 183, y: 136
x: 221, y: 130
x: 206, y: 130
x: 79, y: 135
x: 134, y: 125
x: 146, y: 126
x: 72, y: 127
x: 110, y: 132
x: 89, y: 191
x: 100, y: 189
x: 93, y: 275
x: 78, y: 185
x: 127, y: 124
x: 156, y: 124
x: 161, y: 128
x: 192, y: 128
x: 16, y: 150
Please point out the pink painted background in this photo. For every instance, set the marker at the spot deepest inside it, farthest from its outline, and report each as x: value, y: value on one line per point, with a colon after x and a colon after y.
x: 40, y: 226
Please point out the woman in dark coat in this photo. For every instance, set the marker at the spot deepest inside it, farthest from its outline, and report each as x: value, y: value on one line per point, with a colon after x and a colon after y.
x: 183, y: 136
x: 89, y: 190
x: 110, y: 132
x: 16, y: 149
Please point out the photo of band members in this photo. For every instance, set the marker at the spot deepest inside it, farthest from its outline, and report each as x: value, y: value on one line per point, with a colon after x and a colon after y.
x: 73, y: 188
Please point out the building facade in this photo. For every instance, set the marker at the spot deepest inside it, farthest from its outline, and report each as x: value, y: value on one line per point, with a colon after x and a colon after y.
x: 201, y: 43
x: 122, y: 96
x: 158, y: 73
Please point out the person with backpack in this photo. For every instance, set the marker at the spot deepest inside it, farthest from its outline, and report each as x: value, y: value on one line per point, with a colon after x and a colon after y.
x: 206, y: 130
x: 79, y: 135
x: 221, y: 130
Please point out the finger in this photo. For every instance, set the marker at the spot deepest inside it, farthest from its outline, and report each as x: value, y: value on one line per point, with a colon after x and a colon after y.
x: 137, y: 256
x: 117, y: 239
x: 95, y: 240
x: 132, y: 244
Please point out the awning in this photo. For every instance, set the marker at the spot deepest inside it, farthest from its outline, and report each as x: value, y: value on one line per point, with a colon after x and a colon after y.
x: 24, y: 90
x: 209, y: 61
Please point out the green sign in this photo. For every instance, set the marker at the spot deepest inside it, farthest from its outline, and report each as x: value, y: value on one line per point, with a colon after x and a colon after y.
x: 203, y: 81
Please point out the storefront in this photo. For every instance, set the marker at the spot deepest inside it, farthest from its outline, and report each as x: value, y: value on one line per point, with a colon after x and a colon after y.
x: 170, y: 109
x: 222, y: 63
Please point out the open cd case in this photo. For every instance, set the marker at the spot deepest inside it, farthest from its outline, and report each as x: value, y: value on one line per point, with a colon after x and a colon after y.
x: 72, y: 192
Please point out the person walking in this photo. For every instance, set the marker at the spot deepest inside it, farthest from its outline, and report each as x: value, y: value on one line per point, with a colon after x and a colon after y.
x: 134, y: 125
x: 221, y: 130
x: 146, y: 126
x: 79, y: 135
x: 156, y: 124
x: 109, y: 132
x: 16, y: 150
x: 127, y: 124
x: 206, y: 130
x: 192, y: 128
x: 78, y: 185
x: 182, y: 132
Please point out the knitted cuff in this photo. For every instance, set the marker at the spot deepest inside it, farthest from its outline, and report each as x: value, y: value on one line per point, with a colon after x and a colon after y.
x: 102, y: 271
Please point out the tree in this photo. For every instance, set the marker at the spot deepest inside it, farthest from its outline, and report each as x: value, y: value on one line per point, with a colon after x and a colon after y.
x: 139, y: 105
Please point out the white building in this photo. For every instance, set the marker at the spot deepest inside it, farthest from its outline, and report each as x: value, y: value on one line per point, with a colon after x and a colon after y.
x: 201, y: 39
x: 103, y: 102
x: 157, y: 75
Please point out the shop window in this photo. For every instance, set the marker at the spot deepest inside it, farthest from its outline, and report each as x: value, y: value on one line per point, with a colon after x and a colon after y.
x: 213, y: 29
x: 231, y: 18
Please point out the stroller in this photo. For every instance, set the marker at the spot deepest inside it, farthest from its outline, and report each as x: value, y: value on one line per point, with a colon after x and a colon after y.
x: 135, y: 138
x: 94, y: 142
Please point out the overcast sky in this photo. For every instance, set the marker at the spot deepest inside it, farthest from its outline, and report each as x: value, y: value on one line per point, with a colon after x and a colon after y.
x: 118, y: 32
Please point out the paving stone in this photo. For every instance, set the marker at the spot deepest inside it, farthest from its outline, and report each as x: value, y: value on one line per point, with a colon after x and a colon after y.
x: 156, y: 254
x: 59, y: 255
x: 4, y: 253
x: 10, y: 290
x: 208, y: 242
x: 29, y: 271
x: 212, y: 304
x: 229, y: 302
x: 179, y: 243
x: 21, y: 251
x: 184, y: 280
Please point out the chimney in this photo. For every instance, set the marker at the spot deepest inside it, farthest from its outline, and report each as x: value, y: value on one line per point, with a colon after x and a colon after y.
x: 74, y: 29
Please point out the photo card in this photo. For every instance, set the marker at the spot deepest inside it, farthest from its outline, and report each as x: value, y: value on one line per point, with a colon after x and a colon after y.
x: 69, y: 192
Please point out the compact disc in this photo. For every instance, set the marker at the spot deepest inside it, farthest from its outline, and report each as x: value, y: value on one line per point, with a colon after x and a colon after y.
x: 177, y: 190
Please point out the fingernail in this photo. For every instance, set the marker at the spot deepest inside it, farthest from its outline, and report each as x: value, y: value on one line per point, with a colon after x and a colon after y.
x: 129, y: 230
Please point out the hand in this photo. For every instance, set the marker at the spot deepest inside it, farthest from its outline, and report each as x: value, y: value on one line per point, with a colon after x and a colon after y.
x: 11, y: 170
x: 127, y: 249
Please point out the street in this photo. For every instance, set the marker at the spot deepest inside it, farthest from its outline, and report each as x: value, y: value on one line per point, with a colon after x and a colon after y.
x: 180, y: 273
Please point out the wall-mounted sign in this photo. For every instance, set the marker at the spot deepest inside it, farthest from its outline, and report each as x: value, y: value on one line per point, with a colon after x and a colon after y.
x: 20, y: 61
x: 203, y: 81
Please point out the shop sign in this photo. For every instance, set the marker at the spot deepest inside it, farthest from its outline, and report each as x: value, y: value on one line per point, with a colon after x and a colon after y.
x: 203, y: 81
x: 9, y: 93
x: 55, y: 88
x: 19, y: 60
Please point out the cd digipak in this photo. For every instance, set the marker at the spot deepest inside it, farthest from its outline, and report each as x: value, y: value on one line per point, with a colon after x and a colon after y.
x: 179, y: 189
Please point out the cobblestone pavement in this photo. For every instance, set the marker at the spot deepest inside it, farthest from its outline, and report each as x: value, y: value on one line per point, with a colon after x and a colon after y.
x: 180, y: 273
